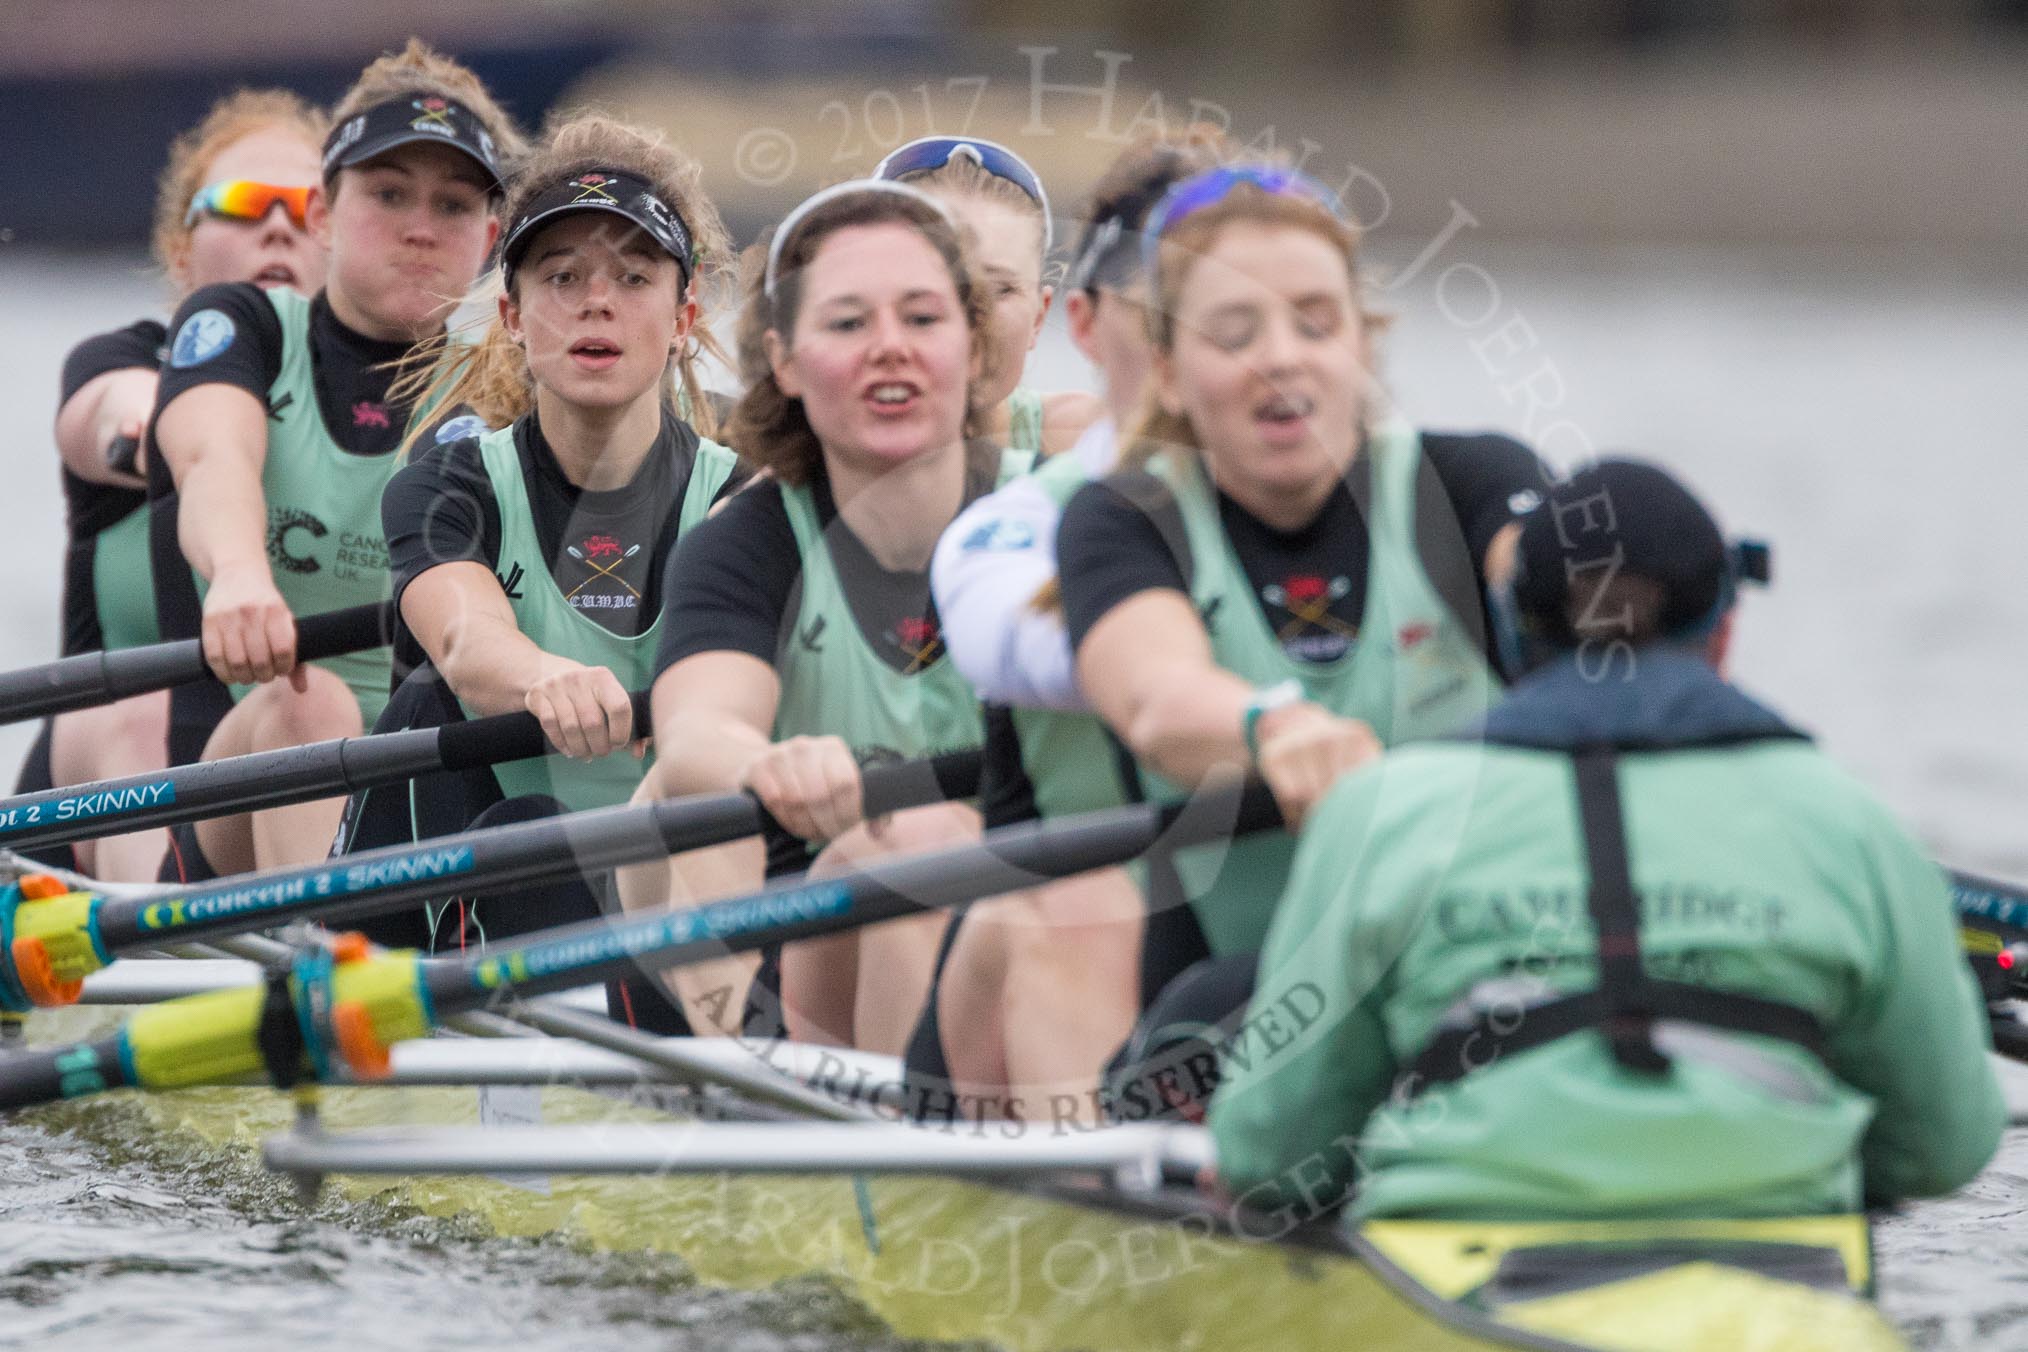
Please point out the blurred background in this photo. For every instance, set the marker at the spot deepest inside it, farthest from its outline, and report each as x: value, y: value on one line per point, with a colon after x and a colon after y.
x: 1892, y: 122
x: 1776, y: 244
x: 1745, y: 120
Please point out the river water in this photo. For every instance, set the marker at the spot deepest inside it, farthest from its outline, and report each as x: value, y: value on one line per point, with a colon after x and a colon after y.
x: 1866, y: 412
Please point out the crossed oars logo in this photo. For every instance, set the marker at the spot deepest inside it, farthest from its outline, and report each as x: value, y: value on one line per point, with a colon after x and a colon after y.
x: 433, y: 109
x: 1308, y: 600
x: 592, y: 188
x: 605, y: 570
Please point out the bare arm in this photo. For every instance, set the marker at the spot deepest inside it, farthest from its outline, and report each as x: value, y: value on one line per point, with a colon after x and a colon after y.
x: 1148, y: 667
x: 214, y: 438
x: 105, y: 407
x: 215, y: 441
x: 463, y: 620
x: 714, y: 723
x: 713, y: 714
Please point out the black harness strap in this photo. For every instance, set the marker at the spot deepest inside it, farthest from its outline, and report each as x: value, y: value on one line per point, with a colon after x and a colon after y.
x: 1615, y: 913
x: 1626, y: 1002
x: 1456, y: 1052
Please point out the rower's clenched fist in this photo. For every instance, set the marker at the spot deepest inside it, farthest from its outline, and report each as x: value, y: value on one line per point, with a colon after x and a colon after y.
x: 808, y: 784
x: 585, y: 712
x: 1304, y: 750
x: 249, y: 634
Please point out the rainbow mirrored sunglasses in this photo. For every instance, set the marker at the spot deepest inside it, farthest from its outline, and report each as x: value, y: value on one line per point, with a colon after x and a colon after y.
x: 1213, y: 186
x: 934, y: 152
x: 241, y: 199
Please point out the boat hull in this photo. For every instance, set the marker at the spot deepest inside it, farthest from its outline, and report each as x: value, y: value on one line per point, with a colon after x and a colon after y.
x: 1052, y: 1270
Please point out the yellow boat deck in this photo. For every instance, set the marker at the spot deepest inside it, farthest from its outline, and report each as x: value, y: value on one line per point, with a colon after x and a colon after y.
x: 1035, y: 1270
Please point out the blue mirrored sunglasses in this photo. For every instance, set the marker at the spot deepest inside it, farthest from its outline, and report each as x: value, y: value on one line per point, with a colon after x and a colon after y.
x: 934, y: 152
x: 1213, y: 186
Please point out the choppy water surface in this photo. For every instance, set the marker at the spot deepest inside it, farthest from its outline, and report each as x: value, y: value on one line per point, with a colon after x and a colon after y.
x: 1866, y: 413
x: 111, y: 1237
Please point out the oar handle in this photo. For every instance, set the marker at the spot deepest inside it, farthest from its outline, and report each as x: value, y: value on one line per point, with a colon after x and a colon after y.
x: 337, y: 632
x: 940, y: 779
x: 499, y: 738
x: 100, y: 678
x: 266, y: 779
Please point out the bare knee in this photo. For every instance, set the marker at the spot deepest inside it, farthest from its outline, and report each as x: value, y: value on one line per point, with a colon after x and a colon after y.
x: 278, y: 715
x: 939, y: 826
x: 128, y: 737
x: 1091, y: 916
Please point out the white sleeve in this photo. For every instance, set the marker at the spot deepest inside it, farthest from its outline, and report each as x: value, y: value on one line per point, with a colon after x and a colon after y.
x: 988, y: 567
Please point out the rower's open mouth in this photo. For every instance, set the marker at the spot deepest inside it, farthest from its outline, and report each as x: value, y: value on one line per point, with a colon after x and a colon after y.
x: 1285, y: 409
x: 892, y: 395
x: 595, y: 351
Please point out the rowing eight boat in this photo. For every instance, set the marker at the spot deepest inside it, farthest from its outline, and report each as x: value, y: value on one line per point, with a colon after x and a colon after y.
x: 1091, y: 1258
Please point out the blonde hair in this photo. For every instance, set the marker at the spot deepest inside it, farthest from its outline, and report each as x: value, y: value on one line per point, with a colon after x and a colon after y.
x: 961, y: 176
x: 233, y: 118
x: 1156, y: 429
x: 769, y: 428
x: 420, y: 69
x: 491, y: 376
x: 1179, y: 250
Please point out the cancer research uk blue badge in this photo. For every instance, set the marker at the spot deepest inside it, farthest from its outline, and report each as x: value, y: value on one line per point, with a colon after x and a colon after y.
x: 203, y: 336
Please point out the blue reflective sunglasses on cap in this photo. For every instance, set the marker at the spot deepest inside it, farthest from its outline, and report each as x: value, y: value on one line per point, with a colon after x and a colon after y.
x: 1213, y: 186
x: 929, y: 153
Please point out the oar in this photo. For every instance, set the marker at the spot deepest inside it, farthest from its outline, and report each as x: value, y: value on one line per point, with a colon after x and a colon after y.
x: 51, y: 938
x: 102, y: 677
x: 270, y: 779
x: 347, y: 1004
x: 1993, y: 922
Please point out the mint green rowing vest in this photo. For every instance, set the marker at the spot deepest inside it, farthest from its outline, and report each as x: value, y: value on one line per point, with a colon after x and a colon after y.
x: 546, y: 617
x: 120, y: 569
x: 834, y: 684
x: 1024, y: 420
x: 1414, y: 672
x: 325, y: 545
x: 1071, y: 760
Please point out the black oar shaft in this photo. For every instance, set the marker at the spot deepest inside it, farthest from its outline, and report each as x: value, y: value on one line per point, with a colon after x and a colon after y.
x: 28, y: 1078
x: 1007, y: 860
x: 495, y: 859
x: 100, y: 678
x: 270, y: 779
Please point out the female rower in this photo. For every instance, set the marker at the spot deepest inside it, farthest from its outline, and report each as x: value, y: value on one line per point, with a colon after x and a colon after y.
x: 275, y: 421
x: 231, y: 207
x: 799, y: 640
x: 1283, y: 576
x: 1001, y: 201
x: 528, y: 562
x: 1036, y: 992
